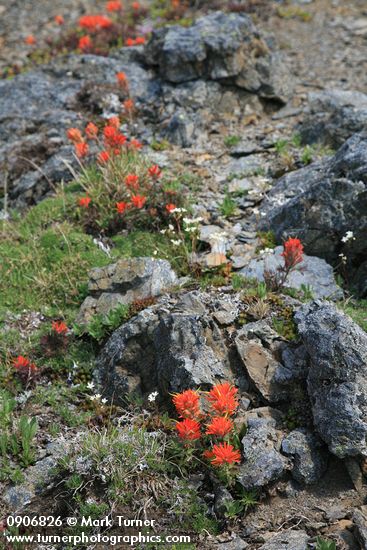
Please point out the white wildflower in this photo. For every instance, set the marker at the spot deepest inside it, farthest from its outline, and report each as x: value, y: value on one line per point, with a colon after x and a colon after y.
x: 104, y: 401
x: 343, y: 258
x: 90, y: 385
x: 175, y: 243
x: 170, y: 227
x: 152, y: 396
x: 104, y: 247
x: 349, y: 236
x: 266, y: 251
x: 95, y: 397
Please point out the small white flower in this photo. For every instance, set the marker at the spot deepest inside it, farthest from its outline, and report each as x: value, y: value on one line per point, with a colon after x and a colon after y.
x: 152, y: 396
x: 95, y: 397
x: 349, y: 236
x: 155, y: 252
x: 175, y: 243
x: 104, y: 247
x: 104, y: 401
x: 163, y: 231
x: 90, y: 385
x: 343, y: 258
x: 255, y: 211
x: 170, y: 227
x: 266, y: 251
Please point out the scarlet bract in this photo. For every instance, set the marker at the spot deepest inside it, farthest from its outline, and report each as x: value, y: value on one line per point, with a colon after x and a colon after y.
x: 95, y: 22
x: 188, y: 429
x: 224, y: 453
x: 187, y: 404
x: 293, y: 253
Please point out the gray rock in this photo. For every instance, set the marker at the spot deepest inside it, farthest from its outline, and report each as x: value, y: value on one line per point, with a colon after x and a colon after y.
x: 259, y: 359
x: 308, y: 453
x: 235, y: 544
x: 312, y: 272
x: 262, y: 461
x: 288, y: 540
x: 38, y: 478
x: 320, y: 203
x: 222, y: 498
x: 165, y: 350
x: 333, y: 117
x: 190, y: 353
x: 337, y: 387
x: 360, y: 522
x: 221, y: 47
x: 124, y: 282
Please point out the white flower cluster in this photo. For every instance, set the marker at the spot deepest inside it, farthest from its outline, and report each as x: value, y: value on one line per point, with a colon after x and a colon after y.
x: 97, y: 396
x: 152, y: 396
x: 349, y: 236
x: 266, y: 251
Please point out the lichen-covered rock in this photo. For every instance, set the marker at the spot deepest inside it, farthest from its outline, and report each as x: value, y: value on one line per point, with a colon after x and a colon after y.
x: 337, y: 377
x: 124, y: 282
x: 287, y: 540
x: 257, y: 345
x: 219, y: 46
x: 165, y: 350
x: 262, y: 461
x: 308, y: 453
x: 313, y: 272
x: 333, y: 116
x: 323, y: 201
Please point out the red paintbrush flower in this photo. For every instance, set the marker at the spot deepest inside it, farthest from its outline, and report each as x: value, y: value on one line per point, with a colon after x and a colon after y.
x: 224, y: 453
x: 187, y: 404
x: 59, y: 19
x: 222, y: 399
x: 138, y: 201
x: 129, y: 106
x: 135, y: 144
x: 219, y: 426
x: 75, y: 135
x: 84, y: 202
x: 170, y: 207
x: 292, y: 253
x: 188, y: 429
x: 85, y: 43
x: 121, y: 207
x: 81, y: 150
x: 132, y: 181
x: 129, y: 42
x: 95, y: 22
x: 103, y: 157
x: 114, y: 121
x: 139, y: 40
x: 154, y: 171
x: 24, y: 366
x: 122, y: 79
x: 91, y: 130
x: 30, y: 40
x: 59, y: 327
x: 113, y: 5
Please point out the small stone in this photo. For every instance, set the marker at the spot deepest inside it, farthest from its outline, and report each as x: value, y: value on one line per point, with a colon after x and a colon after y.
x: 308, y: 453
x: 287, y: 540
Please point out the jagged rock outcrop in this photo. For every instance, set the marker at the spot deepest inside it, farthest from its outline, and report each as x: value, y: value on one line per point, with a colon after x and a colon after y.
x: 321, y: 203
x: 337, y: 377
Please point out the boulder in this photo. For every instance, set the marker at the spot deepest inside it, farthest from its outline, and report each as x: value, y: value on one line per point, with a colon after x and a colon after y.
x: 308, y: 454
x: 125, y: 282
x: 322, y: 202
x: 257, y: 345
x: 313, y: 272
x: 333, y: 116
x: 337, y: 377
x: 164, y: 348
x: 262, y: 461
x: 219, y: 47
x: 287, y: 540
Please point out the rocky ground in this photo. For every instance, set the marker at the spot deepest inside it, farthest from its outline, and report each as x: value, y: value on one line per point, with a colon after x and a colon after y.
x: 256, y: 113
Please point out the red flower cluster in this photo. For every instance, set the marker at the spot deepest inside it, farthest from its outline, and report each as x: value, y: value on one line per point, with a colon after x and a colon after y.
x: 221, y: 399
x: 30, y: 40
x: 95, y: 22
x: 292, y: 253
x: 59, y: 327
x: 85, y: 43
x: 84, y: 202
x: 24, y: 367
x: 114, y: 5
x: 139, y: 41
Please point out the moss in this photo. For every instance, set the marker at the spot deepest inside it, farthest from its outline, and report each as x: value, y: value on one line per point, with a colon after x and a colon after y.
x: 357, y: 310
x: 267, y: 238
